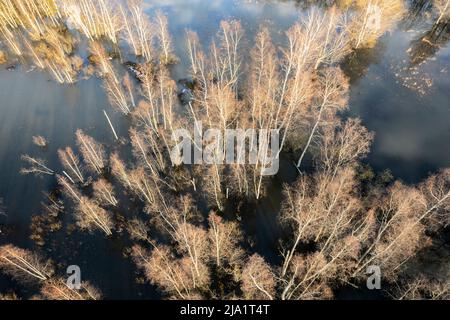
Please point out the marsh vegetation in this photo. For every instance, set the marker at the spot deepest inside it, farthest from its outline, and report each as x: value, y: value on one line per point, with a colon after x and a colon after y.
x: 185, y: 224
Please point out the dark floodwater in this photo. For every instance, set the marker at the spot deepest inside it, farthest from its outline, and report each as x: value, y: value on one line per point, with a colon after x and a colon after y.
x: 404, y: 102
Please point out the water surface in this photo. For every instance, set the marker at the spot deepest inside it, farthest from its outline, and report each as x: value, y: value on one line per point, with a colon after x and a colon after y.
x: 390, y: 92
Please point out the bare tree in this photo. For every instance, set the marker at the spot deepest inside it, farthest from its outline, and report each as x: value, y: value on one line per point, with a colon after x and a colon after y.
x: 224, y: 238
x: 138, y: 30
x: 396, y: 234
x: 93, y: 152
x: 9, y: 297
x: 403, y: 217
x: 296, y: 89
x: 24, y: 265
x: 147, y: 186
x: 199, y: 64
x: 436, y: 190
x: 184, y: 268
x: 95, y: 19
x: 309, y: 275
x: 423, y: 288
x: 27, y: 266
x: 88, y: 213
x: 129, y: 87
x: 55, y: 54
x: 172, y: 275
x: 263, y: 95
x: 149, y: 151
x: 57, y: 289
x: 334, y: 42
x: 11, y: 39
x: 258, y: 280
x: 138, y: 230
x: 104, y: 193
x: 192, y: 243
x: 225, y: 58
x: 148, y: 111
x: 71, y: 163
x: 36, y: 166
x: 214, y: 189
x: 118, y: 94
x: 372, y: 19
x: 322, y: 210
x: 443, y: 9
x: 194, y: 50
x: 342, y: 144
x: 120, y: 171
x: 40, y: 141
x: 102, y: 59
x: 164, y: 38
x: 146, y: 115
x: 32, y: 15
x: 332, y: 96
x: 90, y: 216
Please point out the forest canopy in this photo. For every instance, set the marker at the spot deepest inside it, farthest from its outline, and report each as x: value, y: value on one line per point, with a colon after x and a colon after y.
x: 186, y: 223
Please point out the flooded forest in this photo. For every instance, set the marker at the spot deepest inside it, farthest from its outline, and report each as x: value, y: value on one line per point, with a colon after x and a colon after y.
x: 99, y: 199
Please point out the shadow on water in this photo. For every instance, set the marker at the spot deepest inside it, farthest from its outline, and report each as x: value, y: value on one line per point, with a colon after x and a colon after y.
x: 429, y: 44
x: 405, y: 105
x: 412, y: 133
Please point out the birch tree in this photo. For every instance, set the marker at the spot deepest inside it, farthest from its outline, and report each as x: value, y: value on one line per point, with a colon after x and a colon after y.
x: 93, y: 152
x: 341, y: 145
x: 332, y: 97
x: 104, y: 193
x: 35, y: 166
x: 372, y: 19
x: 172, y: 275
x: 226, y: 60
x: 258, y: 280
x: 443, y: 10
x: 224, y: 238
x: 71, y: 163
x: 57, y: 289
x: 88, y: 213
x: 27, y: 266
x: 164, y: 38
x: 95, y: 19
x: 24, y: 265
x: 321, y: 210
x: 399, y: 230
